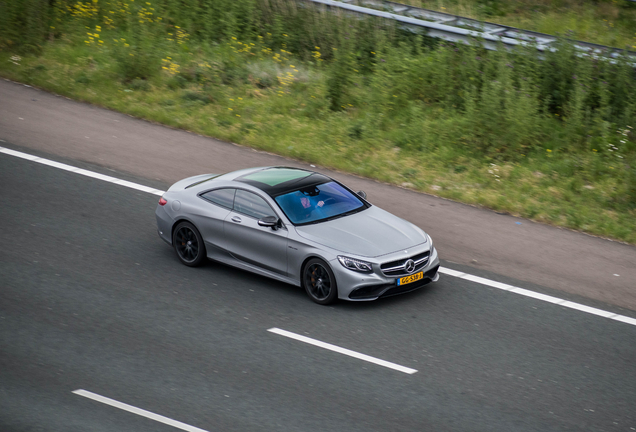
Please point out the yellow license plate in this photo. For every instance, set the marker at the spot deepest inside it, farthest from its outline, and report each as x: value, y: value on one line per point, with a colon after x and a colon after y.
x: 412, y: 278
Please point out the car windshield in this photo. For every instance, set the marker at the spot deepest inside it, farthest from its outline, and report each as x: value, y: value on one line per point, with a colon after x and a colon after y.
x: 319, y: 203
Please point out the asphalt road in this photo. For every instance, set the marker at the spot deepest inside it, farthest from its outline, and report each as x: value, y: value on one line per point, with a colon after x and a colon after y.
x: 91, y: 298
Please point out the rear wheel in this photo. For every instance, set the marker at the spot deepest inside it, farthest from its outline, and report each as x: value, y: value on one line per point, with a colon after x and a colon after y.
x: 319, y: 282
x: 188, y: 244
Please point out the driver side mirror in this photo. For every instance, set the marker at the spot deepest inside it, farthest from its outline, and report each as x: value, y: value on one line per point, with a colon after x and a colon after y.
x: 270, y: 221
x: 362, y: 193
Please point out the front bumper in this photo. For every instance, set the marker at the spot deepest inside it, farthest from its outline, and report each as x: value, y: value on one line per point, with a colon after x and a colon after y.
x: 365, y: 287
x: 372, y: 292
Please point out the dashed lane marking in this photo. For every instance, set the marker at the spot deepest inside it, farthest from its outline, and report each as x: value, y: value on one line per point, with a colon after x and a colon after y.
x: 341, y: 350
x: 138, y: 411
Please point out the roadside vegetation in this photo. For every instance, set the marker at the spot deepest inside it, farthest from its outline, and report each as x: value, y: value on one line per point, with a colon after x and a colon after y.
x: 550, y: 140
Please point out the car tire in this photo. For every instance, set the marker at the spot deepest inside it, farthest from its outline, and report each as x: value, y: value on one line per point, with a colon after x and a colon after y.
x: 188, y: 244
x: 319, y: 282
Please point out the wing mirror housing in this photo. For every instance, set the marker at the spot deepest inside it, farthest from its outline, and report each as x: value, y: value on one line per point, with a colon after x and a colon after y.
x: 362, y: 193
x: 270, y: 221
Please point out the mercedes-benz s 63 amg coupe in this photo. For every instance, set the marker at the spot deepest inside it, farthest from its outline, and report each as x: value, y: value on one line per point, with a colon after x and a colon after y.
x: 299, y: 227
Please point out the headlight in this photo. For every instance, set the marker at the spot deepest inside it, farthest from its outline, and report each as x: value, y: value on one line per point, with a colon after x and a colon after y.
x: 355, y: 265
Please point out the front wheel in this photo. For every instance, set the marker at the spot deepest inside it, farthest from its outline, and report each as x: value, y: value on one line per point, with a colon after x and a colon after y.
x: 319, y: 282
x: 188, y: 244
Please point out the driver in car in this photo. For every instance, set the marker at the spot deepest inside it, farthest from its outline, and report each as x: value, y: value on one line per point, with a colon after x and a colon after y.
x: 308, y: 207
x: 307, y: 204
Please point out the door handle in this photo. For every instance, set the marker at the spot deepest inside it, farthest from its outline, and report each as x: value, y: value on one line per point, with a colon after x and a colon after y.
x: 236, y: 219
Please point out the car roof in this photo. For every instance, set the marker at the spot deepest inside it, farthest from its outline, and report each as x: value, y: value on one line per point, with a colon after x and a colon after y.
x: 277, y: 181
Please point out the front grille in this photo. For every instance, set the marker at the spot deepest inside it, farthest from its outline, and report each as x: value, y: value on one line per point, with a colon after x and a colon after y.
x: 396, y: 268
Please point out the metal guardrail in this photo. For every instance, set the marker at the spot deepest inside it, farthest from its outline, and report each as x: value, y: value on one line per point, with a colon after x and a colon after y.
x: 460, y: 29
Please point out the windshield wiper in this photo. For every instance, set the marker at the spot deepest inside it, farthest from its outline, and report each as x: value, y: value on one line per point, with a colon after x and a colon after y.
x: 338, y: 216
x: 330, y: 218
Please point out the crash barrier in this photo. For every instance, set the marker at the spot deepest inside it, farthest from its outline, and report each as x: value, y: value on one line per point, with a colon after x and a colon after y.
x: 454, y: 28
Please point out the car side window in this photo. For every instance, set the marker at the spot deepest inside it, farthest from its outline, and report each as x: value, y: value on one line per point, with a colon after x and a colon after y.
x: 222, y: 197
x: 251, y: 204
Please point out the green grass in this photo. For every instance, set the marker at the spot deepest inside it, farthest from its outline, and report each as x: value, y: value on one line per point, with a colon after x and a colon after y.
x: 541, y: 140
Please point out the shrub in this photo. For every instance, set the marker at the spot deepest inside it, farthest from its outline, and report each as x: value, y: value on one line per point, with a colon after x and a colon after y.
x: 177, y: 82
x: 140, y: 84
x: 339, y: 80
x: 25, y: 24
x: 196, y: 97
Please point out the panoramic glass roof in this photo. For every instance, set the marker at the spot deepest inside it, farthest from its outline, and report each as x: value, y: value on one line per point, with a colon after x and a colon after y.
x: 276, y: 176
x: 278, y: 180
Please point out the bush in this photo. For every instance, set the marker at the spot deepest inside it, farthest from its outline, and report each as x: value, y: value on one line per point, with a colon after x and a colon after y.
x: 339, y: 80
x: 177, y: 82
x: 136, y: 57
x: 25, y: 24
x: 82, y: 78
x: 140, y: 84
x: 631, y: 186
x: 197, y: 97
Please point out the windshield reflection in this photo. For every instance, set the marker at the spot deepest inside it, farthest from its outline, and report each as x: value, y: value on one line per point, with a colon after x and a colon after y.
x: 319, y: 203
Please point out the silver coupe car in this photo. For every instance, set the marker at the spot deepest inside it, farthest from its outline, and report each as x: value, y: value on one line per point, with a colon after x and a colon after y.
x: 299, y: 227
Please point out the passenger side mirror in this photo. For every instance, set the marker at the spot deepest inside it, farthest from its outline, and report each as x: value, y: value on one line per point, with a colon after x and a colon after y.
x: 363, y: 194
x: 270, y: 221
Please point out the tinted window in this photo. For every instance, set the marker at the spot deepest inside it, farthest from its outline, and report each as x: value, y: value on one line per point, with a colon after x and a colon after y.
x: 252, y: 205
x: 318, y: 203
x: 222, y: 197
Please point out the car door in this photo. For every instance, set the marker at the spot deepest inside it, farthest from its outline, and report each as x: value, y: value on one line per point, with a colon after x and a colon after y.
x: 251, y: 243
x: 210, y: 217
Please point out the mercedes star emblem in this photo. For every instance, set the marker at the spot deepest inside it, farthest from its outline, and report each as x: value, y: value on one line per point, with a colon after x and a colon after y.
x: 409, y: 265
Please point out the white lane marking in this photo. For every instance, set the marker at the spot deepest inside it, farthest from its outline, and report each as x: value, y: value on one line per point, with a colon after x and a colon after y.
x: 341, y: 350
x: 444, y: 270
x: 81, y: 171
x: 539, y: 296
x: 138, y: 411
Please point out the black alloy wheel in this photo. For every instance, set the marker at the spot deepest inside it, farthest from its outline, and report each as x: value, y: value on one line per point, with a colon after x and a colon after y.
x: 188, y: 244
x: 320, y: 282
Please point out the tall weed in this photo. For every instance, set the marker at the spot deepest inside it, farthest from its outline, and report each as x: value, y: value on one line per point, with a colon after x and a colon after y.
x: 25, y: 24
x: 138, y: 54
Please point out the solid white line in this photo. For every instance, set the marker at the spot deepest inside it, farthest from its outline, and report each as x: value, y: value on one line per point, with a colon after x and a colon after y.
x: 451, y: 272
x: 539, y: 296
x: 625, y: 319
x: 18, y: 154
x: 81, y: 171
x: 535, y: 295
x: 138, y: 411
x: 444, y: 270
x: 344, y: 351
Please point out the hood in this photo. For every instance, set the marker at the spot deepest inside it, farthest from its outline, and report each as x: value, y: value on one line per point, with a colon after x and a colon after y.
x: 370, y: 233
